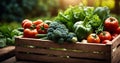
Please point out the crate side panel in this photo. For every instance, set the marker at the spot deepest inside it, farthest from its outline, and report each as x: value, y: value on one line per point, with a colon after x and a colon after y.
x: 116, y: 56
x: 116, y: 42
x: 80, y: 54
x: 47, y: 44
x: 54, y: 59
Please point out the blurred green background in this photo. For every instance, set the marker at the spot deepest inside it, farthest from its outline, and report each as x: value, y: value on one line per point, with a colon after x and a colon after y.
x: 12, y: 12
x: 17, y: 10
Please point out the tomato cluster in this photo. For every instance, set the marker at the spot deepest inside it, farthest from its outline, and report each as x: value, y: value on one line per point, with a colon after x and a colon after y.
x: 31, y: 29
x: 111, y: 31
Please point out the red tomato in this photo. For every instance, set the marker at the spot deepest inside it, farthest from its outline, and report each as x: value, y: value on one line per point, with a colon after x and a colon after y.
x: 27, y: 24
x: 37, y: 22
x: 93, y: 38
x: 117, y: 30
x: 26, y: 20
x: 105, y: 41
x: 114, y: 35
x: 30, y: 33
x: 111, y: 24
x: 42, y: 28
x: 105, y: 35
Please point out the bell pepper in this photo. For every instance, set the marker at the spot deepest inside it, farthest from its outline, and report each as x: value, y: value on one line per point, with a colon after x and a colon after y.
x: 82, y: 29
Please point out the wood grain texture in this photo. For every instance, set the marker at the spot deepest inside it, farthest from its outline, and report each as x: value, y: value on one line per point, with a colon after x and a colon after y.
x: 7, y: 52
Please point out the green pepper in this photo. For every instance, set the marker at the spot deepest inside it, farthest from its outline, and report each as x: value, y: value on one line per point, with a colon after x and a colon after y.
x: 82, y: 29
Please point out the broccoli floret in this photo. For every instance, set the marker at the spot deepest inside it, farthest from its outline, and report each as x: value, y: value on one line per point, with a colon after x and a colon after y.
x: 50, y: 35
x: 59, y: 33
x: 71, y: 38
x: 50, y: 30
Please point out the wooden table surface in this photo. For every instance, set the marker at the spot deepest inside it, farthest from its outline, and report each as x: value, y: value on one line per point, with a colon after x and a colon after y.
x: 13, y: 60
x: 7, y: 55
x: 7, y: 52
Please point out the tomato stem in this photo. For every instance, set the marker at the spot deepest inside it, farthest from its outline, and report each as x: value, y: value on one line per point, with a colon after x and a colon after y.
x: 42, y: 27
x: 111, y: 19
x: 104, y: 33
x: 95, y: 36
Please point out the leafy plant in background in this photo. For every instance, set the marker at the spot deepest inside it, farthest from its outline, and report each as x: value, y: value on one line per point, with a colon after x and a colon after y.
x: 8, y: 33
x: 17, y: 10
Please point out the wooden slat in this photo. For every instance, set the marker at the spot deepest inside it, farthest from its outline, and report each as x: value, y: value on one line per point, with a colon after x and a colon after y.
x: 116, y: 42
x: 116, y: 56
x: 108, y: 54
x: 46, y: 43
x: 55, y: 59
x: 61, y: 53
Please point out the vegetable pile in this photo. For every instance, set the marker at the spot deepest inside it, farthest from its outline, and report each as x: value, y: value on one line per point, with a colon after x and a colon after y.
x: 77, y: 23
x: 31, y: 29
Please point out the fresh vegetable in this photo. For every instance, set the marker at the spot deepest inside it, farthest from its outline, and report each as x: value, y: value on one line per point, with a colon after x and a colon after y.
x: 27, y: 24
x: 20, y: 29
x: 42, y: 28
x: 26, y: 20
x: 93, y: 38
x: 105, y: 35
x: 117, y: 30
x: 37, y: 22
x: 95, y: 22
x: 82, y: 29
x: 75, y: 14
x: 30, y: 33
x: 41, y: 35
x: 47, y: 22
x: 58, y: 33
x: 106, y: 41
x: 102, y: 12
x: 114, y: 35
x: 71, y: 37
x: 111, y: 24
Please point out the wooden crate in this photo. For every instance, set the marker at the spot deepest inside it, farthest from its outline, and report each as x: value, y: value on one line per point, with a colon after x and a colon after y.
x: 48, y: 51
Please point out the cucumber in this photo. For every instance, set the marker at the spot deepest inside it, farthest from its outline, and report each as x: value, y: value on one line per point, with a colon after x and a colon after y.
x: 47, y: 22
x: 44, y: 38
x: 41, y: 35
x: 20, y: 29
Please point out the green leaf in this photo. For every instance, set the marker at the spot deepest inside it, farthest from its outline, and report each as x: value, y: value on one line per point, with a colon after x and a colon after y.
x: 2, y: 42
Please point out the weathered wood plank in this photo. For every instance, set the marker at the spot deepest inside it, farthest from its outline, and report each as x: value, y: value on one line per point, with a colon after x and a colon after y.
x: 116, y: 42
x: 55, y: 59
x: 80, y: 54
x: 116, y: 56
x: 7, y: 52
x: 47, y: 43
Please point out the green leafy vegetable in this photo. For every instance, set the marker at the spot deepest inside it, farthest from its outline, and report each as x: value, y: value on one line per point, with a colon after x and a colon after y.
x: 59, y: 33
x: 102, y: 12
